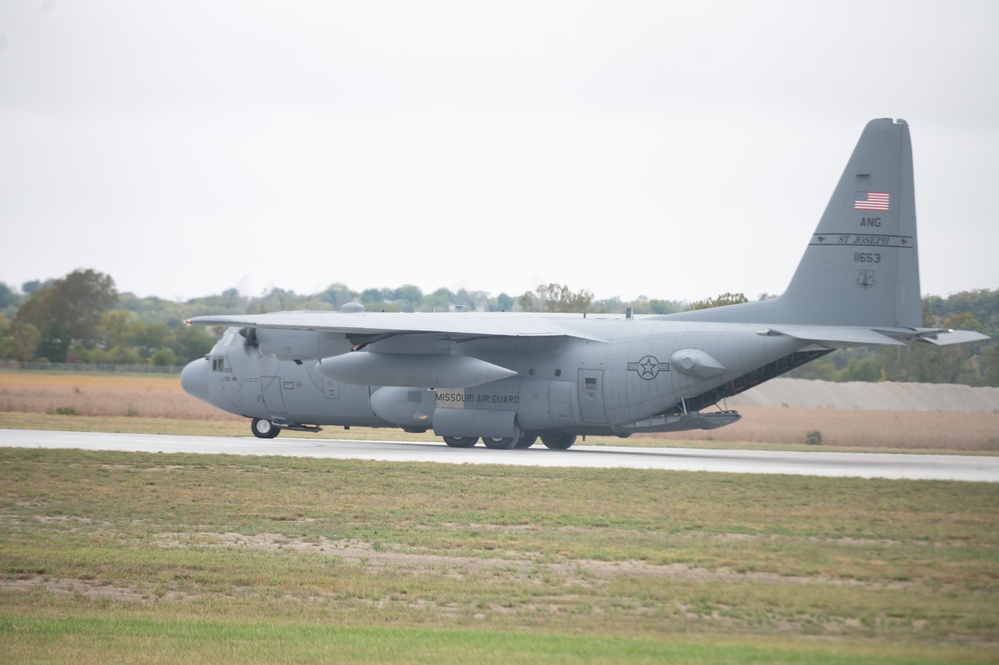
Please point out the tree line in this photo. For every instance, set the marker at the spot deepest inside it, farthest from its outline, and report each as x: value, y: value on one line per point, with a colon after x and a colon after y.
x: 82, y: 318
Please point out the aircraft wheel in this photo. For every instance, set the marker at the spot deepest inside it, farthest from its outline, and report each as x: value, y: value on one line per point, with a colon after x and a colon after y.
x: 264, y: 429
x: 499, y: 444
x: 460, y: 441
x: 558, y: 441
x: 526, y: 441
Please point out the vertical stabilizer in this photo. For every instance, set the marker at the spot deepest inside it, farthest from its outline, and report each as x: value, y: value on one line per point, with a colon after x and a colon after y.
x: 861, y: 266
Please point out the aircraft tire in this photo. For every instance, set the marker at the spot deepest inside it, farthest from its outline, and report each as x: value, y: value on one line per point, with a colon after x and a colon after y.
x: 264, y: 429
x: 558, y: 441
x: 500, y: 444
x: 460, y: 441
x: 526, y: 441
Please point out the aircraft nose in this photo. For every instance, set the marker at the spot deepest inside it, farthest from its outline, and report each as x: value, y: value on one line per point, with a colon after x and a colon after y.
x: 194, y: 379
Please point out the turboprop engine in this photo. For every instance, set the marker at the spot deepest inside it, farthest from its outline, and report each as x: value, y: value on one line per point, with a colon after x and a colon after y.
x: 297, y: 345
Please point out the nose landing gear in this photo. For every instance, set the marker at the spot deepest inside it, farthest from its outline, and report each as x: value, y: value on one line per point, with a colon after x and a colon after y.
x: 264, y: 429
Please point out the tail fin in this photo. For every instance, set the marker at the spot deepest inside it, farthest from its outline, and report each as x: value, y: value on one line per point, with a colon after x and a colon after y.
x: 861, y: 267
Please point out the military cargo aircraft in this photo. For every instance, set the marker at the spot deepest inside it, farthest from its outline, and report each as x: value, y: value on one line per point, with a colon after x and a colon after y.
x: 508, y: 378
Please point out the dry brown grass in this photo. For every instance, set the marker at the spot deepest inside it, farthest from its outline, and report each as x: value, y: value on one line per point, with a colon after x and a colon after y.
x: 902, y: 430
x: 152, y: 396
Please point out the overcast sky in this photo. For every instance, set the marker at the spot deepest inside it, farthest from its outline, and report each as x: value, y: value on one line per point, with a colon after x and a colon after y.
x: 672, y: 150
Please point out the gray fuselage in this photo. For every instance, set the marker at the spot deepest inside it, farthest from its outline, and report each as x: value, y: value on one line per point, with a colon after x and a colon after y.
x: 619, y: 376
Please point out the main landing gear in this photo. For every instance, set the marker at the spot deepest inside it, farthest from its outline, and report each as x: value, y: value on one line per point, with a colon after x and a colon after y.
x: 268, y: 429
x: 460, y: 441
x: 552, y: 441
x: 558, y: 441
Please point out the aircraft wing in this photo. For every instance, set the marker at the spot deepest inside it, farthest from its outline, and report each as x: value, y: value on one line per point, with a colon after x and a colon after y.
x: 836, y: 337
x: 448, y: 325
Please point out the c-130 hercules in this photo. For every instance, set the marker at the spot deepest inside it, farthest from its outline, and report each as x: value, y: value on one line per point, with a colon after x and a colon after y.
x: 508, y: 378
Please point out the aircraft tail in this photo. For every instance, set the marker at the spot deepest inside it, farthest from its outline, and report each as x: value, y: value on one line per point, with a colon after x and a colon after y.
x: 861, y: 266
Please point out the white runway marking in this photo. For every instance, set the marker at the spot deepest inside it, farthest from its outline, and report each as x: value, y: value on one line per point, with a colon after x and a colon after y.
x: 864, y: 465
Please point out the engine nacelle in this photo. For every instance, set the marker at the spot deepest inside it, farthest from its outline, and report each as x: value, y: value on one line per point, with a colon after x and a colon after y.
x: 298, y: 344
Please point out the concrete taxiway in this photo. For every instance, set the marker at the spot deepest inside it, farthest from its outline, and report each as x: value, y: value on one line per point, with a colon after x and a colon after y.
x: 865, y: 465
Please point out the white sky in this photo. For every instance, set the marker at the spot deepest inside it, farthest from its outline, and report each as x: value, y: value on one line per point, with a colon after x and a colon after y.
x: 672, y: 150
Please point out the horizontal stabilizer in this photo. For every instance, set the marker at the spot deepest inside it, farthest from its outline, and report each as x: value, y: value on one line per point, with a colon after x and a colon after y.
x: 947, y: 337
x: 833, y: 336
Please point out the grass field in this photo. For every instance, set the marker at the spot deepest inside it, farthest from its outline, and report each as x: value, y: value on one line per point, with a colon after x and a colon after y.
x: 261, y: 560
x: 115, y: 557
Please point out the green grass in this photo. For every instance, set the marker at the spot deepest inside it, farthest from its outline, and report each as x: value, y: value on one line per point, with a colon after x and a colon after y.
x: 62, y: 639
x: 118, y: 557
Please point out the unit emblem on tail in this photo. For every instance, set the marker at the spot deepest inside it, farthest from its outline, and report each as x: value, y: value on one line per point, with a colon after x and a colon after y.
x: 865, y: 279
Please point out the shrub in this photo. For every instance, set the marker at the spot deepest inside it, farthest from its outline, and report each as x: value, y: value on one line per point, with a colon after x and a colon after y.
x: 63, y: 411
x: 813, y: 437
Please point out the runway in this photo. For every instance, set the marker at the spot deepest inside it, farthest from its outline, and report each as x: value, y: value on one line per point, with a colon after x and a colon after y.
x: 863, y: 465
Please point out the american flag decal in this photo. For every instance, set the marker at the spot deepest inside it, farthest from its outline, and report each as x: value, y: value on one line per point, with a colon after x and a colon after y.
x: 871, y: 201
